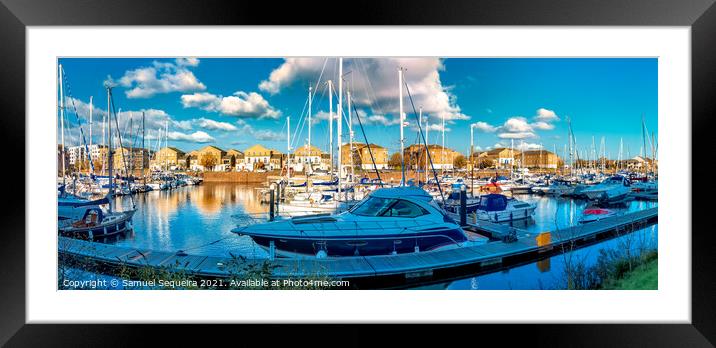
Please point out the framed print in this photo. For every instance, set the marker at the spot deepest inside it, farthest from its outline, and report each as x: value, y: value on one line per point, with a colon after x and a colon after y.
x: 466, y: 166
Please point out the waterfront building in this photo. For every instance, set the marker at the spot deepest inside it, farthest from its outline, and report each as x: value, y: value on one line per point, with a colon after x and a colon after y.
x: 167, y: 158
x: 361, y: 156
x: 442, y: 158
x: 260, y: 157
x: 502, y: 157
x: 637, y: 163
x: 126, y: 159
x: 304, y: 156
x: 77, y: 153
x: 233, y: 160
x: 211, y: 158
x: 538, y: 159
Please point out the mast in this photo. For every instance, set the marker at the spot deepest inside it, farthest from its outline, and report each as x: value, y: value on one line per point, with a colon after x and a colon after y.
x: 104, y: 140
x: 166, y: 145
x: 512, y: 155
x: 643, y: 136
x: 109, y: 148
x: 62, y: 125
x: 309, y: 123
x: 350, y: 134
x: 144, y: 176
x: 427, y: 144
x: 288, y: 147
x: 131, y: 149
x: 330, y: 125
x: 472, y: 142
x: 443, y: 149
x: 340, y: 125
x: 402, y: 138
x: 90, y: 131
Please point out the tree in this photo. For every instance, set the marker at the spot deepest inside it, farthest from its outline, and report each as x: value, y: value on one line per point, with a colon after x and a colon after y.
x: 259, y: 165
x: 459, y: 162
x: 188, y: 162
x: 395, y: 160
x: 208, y: 161
x: 98, y: 165
x: 233, y: 161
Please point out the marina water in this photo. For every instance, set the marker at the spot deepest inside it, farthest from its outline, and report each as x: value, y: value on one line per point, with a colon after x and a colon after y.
x: 198, y: 220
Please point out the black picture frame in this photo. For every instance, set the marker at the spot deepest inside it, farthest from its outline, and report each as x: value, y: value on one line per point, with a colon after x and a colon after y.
x: 16, y: 15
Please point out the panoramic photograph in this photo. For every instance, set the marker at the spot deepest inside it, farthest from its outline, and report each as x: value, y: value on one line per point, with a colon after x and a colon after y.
x: 330, y: 173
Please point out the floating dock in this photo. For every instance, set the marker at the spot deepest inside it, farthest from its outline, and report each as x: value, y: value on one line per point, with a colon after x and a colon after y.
x: 387, y: 271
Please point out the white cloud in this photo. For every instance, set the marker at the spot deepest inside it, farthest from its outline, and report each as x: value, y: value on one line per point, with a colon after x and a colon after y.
x: 542, y: 125
x: 155, y: 123
x: 184, y: 125
x: 189, y: 61
x: 267, y: 135
x: 546, y: 115
x: 240, y: 104
x: 373, y: 82
x: 522, y: 146
x: 196, y: 137
x: 517, y: 135
x: 161, y: 77
x: 215, y: 125
x: 484, y: 126
x: 516, y: 125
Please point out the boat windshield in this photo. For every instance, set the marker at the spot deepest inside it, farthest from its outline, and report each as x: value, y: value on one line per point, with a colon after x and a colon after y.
x: 372, y: 206
x: 387, y: 207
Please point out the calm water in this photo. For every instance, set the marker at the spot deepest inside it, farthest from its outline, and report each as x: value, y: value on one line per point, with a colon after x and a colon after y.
x: 198, y: 219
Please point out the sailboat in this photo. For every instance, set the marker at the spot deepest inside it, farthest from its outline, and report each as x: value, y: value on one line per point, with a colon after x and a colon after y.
x: 81, y: 218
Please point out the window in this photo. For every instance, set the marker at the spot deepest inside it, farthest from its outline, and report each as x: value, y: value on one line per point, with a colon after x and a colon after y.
x: 373, y: 206
x: 403, y: 208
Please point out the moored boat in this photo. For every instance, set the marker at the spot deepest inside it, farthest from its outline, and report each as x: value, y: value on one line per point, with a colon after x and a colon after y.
x: 389, y: 221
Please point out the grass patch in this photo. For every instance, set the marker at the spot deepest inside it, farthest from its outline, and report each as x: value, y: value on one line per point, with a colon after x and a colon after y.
x: 643, y: 277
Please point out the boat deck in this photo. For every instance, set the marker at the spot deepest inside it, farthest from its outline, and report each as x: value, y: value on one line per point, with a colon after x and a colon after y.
x: 379, y: 271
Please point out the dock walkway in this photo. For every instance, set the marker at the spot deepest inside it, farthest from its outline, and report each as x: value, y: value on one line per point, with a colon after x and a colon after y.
x: 378, y: 271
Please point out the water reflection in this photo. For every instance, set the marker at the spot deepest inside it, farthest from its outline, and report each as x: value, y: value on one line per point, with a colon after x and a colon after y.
x: 193, y: 218
x: 197, y: 219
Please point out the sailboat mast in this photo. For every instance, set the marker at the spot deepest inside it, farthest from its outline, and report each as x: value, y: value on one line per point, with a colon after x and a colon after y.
x: 443, y: 143
x: 131, y: 148
x: 309, y: 132
x: 427, y: 144
x: 62, y: 125
x: 512, y: 155
x: 402, y: 138
x: 288, y: 147
x: 90, y: 130
x: 109, y: 147
x: 350, y: 133
x: 166, y: 145
x: 340, y: 125
x: 643, y: 137
x: 144, y: 176
x: 330, y: 125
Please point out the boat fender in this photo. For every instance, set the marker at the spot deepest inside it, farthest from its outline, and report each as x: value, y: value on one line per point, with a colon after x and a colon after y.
x: 321, y: 254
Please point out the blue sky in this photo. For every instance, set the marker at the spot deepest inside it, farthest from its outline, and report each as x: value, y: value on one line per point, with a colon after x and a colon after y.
x: 237, y: 102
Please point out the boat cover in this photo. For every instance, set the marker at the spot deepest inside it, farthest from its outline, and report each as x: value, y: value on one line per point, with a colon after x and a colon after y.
x: 493, y: 202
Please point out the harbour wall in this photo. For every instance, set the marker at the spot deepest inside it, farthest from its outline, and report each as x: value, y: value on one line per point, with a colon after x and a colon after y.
x: 238, y: 177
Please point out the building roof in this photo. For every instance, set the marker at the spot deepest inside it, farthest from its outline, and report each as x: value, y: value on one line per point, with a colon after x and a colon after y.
x: 171, y: 148
x: 211, y: 147
x: 497, y: 150
x: 304, y: 151
x: 256, y: 148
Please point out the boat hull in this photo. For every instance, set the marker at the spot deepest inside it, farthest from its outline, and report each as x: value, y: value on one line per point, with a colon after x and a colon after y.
x: 362, y: 246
